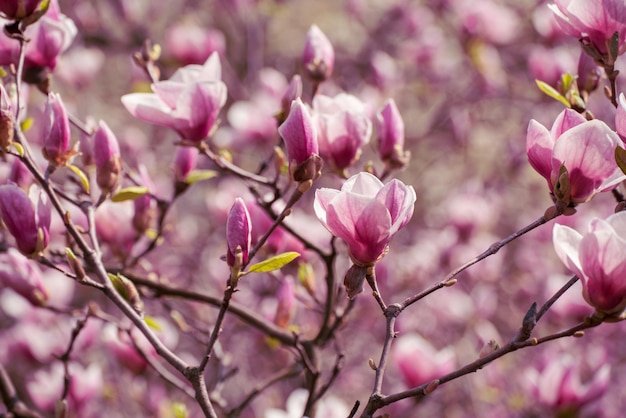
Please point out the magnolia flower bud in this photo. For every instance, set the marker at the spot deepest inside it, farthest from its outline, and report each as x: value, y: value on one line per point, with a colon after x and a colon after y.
x: 107, y: 158
x: 56, y: 143
x: 300, y: 136
x: 18, y: 9
x: 26, y: 217
x: 318, y: 57
x: 391, y: 136
x: 294, y: 91
x: 238, y: 233
x: 185, y: 162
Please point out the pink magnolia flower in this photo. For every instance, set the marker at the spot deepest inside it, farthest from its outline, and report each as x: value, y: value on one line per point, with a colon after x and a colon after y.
x: 343, y: 128
x: 598, y: 258
x: 49, y: 37
x: 584, y: 148
x: 27, y: 217
x: 318, y: 57
x: 238, y: 232
x: 188, y: 102
x: 593, y: 21
x: 365, y: 214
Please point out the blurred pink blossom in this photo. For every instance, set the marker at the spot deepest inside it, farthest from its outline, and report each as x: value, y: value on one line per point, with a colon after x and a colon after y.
x: 189, y: 43
x: 489, y: 20
x: 559, y: 387
x: 598, y: 258
x: 418, y: 361
x: 365, y: 213
x: 343, y: 128
x: 585, y: 148
x: 49, y: 37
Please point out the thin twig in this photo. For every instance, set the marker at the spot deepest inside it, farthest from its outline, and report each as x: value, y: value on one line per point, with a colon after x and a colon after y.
x: 494, y: 248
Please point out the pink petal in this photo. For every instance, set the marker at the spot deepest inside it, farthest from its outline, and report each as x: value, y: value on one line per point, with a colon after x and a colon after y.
x: 539, y: 145
x: 587, y: 150
x: 566, y: 243
x: 565, y: 121
x: 399, y: 200
x: 149, y: 108
x: 364, y: 184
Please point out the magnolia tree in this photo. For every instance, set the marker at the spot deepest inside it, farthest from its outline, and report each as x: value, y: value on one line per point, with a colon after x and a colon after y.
x: 222, y: 210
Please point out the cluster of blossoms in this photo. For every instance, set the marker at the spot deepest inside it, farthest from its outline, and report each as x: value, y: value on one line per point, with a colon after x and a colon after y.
x: 127, y: 249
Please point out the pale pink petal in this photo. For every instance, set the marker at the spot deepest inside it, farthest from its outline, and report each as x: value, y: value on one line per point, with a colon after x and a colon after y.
x: 372, y: 233
x: 565, y: 121
x: 606, y: 286
x: 566, y: 244
x: 363, y: 183
x: 148, y: 107
x: 320, y: 205
x: 539, y: 145
x: 400, y: 201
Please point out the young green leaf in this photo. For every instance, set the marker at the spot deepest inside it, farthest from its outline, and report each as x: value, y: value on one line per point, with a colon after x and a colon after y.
x: 198, y: 175
x: 273, y: 263
x: 129, y: 193
x: 83, y: 178
x: 552, y: 92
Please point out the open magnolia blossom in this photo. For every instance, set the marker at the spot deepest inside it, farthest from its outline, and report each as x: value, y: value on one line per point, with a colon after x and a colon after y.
x: 365, y: 214
x: 599, y: 259
x: 188, y: 102
x: 576, y: 156
x: 593, y: 21
x: 343, y: 128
